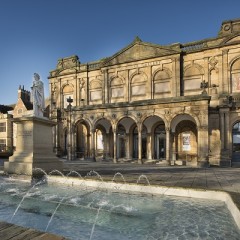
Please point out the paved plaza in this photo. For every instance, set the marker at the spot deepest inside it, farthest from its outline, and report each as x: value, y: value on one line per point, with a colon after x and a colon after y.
x: 212, y: 178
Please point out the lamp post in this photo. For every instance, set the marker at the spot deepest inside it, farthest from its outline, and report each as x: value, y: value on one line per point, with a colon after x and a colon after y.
x: 69, y: 109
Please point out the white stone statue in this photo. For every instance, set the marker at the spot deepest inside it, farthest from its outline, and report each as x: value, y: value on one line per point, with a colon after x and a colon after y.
x: 38, y: 96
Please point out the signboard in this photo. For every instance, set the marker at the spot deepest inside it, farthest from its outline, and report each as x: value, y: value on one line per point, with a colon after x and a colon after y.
x: 186, y: 146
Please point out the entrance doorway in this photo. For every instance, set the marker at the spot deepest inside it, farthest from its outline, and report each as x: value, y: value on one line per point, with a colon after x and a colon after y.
x: 236, y: 142
x: 160, y: 142
x: 160, y: 146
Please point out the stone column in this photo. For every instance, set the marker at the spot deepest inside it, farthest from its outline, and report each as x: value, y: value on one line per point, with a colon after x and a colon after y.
x: 127, y: 146
x: 73, y: 140
x: 149, y: 146
x: 106, y: 145
x: 69, y: 140
x: 93, y: 137
x: 225, y: 137
x: 203, y: 146
x: 172, y: 136
x: 140, y: 144
x: 55, y: 138
x: 114, y: 146
x: 167, y: 144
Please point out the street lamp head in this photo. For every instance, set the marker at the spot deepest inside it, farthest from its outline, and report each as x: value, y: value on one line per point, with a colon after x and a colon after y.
x: 69, y: 100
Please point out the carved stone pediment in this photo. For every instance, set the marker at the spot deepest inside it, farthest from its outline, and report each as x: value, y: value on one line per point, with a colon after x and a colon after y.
x: 139, y: 50
x: 68, y: 62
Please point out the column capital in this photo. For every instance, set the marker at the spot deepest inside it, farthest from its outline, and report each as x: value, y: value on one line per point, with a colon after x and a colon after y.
x: 225, y: 51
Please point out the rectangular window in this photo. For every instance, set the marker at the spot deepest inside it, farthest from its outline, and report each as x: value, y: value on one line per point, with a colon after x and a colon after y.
x: 3, y: 127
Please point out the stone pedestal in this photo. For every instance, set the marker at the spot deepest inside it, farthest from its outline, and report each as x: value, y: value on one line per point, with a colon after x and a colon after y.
x: 34, y: 147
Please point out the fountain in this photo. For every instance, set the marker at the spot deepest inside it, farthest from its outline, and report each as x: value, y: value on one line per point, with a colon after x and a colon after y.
x: 81, y: 208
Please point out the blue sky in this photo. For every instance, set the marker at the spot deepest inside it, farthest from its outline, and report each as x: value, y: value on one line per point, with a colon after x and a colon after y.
x: 34, y: 34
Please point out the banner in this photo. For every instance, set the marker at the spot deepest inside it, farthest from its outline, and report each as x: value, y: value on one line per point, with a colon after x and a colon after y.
x: 186, y: 142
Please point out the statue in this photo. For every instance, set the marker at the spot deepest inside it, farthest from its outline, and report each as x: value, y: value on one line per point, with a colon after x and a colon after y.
x: 38, y: 96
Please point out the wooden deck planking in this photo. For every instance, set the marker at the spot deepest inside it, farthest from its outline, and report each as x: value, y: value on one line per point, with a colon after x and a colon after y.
x: 10, y: 231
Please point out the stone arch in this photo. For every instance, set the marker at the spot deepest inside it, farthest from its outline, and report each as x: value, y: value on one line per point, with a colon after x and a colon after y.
x: 103, y: 138
x: 116, y: 80
x: 185, y: 140
x: 122, y: 119
x: 82, y: 138
x: 83, y: 119
x: 138, y: 76
x: 193, y: 69
x: 104, y: 121
x: 95, y: 84
x: 159, y: 116
x: 156, y: 137
x: 180, y: 117
x: 66, y: 88
x: 163, y: 70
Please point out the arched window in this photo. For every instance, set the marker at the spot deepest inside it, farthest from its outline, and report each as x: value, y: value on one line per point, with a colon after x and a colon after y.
x: 193, y: 76
x: 117, y: 90
x: 95, y: 91
x: 138, y: 86
x: 235, y: 76
x: 162, y: 84
x: 67, y: 92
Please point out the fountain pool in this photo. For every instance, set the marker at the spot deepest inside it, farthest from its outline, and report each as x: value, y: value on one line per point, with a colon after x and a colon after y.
x: 83, y: 212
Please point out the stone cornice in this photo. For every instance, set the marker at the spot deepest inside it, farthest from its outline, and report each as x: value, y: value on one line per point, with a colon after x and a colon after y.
x: 172, y: 100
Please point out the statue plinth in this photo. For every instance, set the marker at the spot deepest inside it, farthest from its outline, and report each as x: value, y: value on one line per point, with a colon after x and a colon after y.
x: 34, y: 147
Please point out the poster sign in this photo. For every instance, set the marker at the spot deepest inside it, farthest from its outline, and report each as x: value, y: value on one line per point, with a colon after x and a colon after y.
x: 186, y: 142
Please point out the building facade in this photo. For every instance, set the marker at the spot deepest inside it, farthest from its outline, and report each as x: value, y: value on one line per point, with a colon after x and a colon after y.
x: 6, y: 140
x: 8, y: 129
x: 175, y: 104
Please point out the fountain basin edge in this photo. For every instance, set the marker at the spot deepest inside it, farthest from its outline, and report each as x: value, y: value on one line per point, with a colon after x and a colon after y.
x: 154, y: 190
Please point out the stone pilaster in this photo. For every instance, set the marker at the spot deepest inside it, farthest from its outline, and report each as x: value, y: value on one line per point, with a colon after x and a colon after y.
x: 225, y: 80
x: 203, y: 149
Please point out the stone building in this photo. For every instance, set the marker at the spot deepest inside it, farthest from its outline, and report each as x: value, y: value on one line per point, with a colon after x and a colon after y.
x: 174, y: 104
x: 7, y: 128
x: 6, y: 139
